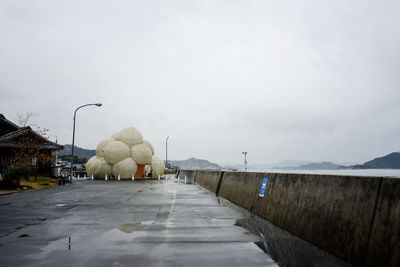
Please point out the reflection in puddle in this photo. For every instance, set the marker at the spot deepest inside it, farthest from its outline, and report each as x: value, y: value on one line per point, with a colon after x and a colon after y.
x: 285, y: 248
x: 264, y: 242
x: 23, y: 235
x: 126, y: 227
x: 62, y: 244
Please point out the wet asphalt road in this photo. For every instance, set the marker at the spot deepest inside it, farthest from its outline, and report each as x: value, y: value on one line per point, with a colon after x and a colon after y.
x: 124, y: 223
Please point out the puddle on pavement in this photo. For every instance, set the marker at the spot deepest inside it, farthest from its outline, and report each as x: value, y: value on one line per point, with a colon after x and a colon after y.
x: 23, y: 235
x: 285, y: 248
x: 260, y: 244
x: 61, y: 244
x: 126, y: 228
x: 116, y: 236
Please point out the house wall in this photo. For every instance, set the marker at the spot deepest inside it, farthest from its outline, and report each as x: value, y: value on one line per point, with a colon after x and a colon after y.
x: 8, y: 158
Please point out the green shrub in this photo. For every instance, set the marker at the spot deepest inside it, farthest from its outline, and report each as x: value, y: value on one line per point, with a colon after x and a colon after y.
x: 13, y: 174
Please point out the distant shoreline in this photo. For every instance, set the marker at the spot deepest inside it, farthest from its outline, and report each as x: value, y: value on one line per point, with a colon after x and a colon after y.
x: 356, y: 172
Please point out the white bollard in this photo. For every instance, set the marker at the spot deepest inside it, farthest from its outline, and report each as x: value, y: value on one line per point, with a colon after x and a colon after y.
x: 133, y: 177
x: 106, y: 178
x: 119, y: 177
x: 92, y: 177
x: 159, y: 177
x: 166, y: 177
x: 78, y: 176
x: 185, y: 179
x: 84, y: 176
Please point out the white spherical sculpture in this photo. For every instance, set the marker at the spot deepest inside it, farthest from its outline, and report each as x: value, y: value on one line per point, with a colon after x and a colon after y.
x: 101, y: 146
x: 130, y: 136
x: 98, y: 167
x: 121, y: 154
x: 126, y: 168
x: 116, y: 151
x: 157, y: 166
x: 147, y: 143
x: 141, y: 154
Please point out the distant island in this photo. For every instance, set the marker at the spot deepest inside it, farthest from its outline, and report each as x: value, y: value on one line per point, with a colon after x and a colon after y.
x: 390, y: 161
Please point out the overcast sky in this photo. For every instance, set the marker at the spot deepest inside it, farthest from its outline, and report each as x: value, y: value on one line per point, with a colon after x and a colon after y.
x: 306, y: 80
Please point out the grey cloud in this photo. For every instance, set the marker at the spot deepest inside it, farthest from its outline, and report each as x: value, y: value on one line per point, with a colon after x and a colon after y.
x: 306, y: 80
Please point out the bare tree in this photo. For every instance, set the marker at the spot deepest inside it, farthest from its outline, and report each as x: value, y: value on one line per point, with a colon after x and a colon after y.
x: 23, y: 119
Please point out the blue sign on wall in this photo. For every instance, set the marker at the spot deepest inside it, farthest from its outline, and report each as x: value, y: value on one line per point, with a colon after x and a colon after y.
x: 263, y: 187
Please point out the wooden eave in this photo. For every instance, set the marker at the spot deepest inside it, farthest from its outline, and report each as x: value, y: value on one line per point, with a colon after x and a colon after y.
x: 8, y: 140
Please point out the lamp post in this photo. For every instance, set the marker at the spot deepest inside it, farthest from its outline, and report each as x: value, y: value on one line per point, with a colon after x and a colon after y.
x: 245, y: 161
x: 166, y: 151
x: 73, y: 137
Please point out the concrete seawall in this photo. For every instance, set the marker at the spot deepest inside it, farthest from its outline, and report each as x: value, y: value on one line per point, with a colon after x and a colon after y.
x: 354, y: 218
x: 385, y: 231
x: 210, y: 180
x: 190, y: 175
x: 241, y: 188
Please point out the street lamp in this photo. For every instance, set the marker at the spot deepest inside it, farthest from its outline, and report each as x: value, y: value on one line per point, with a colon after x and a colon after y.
x: 73, y: 137
x: 166, y: 151
x: 245, y: 161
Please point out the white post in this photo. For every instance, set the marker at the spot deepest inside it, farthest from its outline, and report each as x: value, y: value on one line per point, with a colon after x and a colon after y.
x: 158, y: 177
x: 84, y: 176
x: 133, y: 177
x: 106, y: 178
x: 78, y: 176
x: 92, y: 177
x: 185, y: 179
x: 119, y: 177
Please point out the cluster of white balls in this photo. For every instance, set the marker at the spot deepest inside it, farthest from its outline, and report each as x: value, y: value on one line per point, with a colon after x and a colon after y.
x: 120, y: 154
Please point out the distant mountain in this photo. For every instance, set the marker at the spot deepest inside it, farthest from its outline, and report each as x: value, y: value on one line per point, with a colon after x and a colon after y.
x: 78, y: 151
x: 195, y: 164
x: 290, y: 164
x: 390, y: 161
x: 320, y: 166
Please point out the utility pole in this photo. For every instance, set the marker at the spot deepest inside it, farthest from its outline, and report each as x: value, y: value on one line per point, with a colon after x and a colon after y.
x: 245, y: 161
x: 166, y: 151
x: 73, y: 138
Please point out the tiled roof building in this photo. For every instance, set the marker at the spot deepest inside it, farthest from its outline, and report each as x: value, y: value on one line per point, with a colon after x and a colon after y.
x: 22, y: 145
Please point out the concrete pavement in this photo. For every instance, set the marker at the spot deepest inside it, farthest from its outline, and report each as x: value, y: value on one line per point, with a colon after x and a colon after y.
x: 124, y: 223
